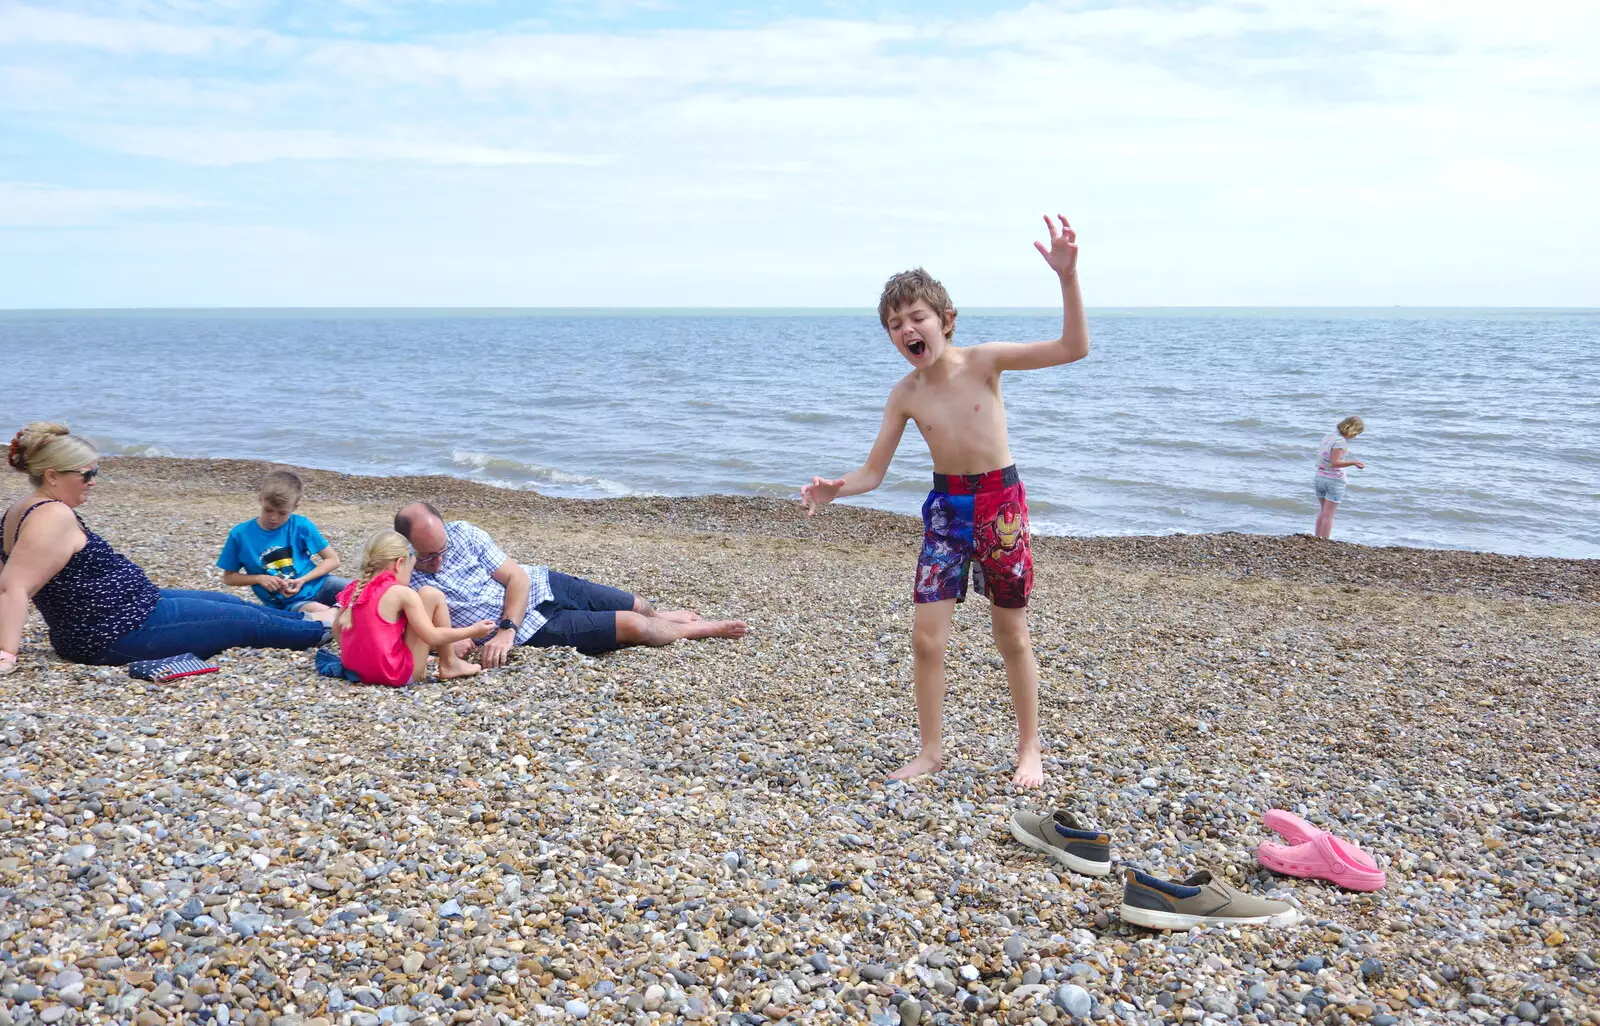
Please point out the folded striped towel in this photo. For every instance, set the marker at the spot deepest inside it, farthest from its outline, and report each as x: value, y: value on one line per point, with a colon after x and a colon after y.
x: 169, y: 669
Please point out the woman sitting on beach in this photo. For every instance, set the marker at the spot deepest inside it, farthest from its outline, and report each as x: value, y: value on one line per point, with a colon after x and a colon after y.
x: 100, y: 607
x: 385, y: 629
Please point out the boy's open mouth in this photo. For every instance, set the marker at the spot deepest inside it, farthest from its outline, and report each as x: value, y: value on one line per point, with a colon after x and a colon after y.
x: 916, y: 347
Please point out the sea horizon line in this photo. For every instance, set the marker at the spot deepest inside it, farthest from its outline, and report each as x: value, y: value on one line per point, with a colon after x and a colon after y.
x: 760, y: 311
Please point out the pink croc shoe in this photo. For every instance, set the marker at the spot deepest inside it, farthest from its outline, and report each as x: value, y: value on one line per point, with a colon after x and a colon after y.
x: 1317, y: 855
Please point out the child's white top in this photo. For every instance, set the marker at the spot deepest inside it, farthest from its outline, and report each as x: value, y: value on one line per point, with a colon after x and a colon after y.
x: 1325, y: 467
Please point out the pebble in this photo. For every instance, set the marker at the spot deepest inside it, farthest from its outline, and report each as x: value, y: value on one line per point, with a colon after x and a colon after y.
x: 910, y: 1012
x: 560, y: 830
x: 1527, y: 1011
x: 1074, y: 1000
x: 578, y: 1009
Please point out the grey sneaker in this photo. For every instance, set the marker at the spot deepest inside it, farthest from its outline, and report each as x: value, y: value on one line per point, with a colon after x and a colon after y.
x: 1201, y: 900
x: 1061, y: 835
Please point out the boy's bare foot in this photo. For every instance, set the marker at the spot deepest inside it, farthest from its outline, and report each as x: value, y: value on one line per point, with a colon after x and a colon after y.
x: 923, y: 763
x: 678, y: 615
x: 1030, y: 769
x: 457, y: 668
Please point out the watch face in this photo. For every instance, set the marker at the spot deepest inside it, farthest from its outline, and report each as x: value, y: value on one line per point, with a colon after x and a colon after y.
x: 505, y: 625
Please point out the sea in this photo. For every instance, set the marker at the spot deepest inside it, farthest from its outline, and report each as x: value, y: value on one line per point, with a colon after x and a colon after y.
x: 1483, y: 425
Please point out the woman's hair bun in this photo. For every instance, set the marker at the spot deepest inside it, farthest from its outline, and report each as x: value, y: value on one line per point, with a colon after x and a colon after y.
x: 27, y: 441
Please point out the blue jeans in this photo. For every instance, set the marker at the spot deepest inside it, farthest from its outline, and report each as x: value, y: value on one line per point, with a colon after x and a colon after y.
x: 325, y: 590
x: 205, y: 623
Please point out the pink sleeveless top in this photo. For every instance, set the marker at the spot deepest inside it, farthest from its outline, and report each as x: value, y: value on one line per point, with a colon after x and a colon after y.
x: 371, y: 646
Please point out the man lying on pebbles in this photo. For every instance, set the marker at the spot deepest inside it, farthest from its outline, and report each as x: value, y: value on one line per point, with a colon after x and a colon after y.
x: 534, y: 605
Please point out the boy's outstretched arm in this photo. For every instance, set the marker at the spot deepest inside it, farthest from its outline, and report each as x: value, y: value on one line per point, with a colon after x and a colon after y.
x: 1062, y: 256
x: 869, y: 475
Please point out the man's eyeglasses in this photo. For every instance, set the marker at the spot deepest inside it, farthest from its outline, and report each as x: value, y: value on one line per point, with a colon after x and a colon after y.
x: 429, y: 557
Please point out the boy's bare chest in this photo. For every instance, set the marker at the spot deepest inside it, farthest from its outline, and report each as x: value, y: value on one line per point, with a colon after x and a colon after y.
x: 960, y: 407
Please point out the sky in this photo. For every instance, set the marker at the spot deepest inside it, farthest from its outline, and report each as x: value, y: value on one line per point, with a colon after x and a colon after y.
x: 218, y: 153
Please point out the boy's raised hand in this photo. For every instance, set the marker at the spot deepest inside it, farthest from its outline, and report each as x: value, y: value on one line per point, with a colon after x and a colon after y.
x: 1062, y: 253
x: 819, y: 492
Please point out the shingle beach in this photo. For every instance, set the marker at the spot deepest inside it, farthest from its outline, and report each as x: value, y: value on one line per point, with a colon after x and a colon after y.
x: 704, y: 832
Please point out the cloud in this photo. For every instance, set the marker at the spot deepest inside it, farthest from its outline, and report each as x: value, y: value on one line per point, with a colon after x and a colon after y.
x: 22, y: 25
x: 1312, y: 150
x: 230, y: 147
x: 36, y: 205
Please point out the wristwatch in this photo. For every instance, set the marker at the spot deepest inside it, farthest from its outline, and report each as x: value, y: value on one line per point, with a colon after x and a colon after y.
x: 505, y: 625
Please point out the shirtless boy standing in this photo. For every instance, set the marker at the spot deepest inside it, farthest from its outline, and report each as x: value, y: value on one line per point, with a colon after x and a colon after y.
x: 976, y: 517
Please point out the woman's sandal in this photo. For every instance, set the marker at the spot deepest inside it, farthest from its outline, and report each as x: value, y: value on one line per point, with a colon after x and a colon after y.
x: 1317, y: 855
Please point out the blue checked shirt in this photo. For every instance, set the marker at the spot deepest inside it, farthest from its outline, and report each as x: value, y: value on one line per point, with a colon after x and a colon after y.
x: 466, y: 576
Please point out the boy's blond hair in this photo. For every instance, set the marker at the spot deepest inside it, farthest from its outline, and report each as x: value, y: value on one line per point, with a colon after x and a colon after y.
x: 906, y: 288
x: 281, y: 489
x: 1352, y: 426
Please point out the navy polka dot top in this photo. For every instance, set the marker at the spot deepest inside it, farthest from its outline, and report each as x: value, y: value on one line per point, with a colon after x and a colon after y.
x: 95, y: 599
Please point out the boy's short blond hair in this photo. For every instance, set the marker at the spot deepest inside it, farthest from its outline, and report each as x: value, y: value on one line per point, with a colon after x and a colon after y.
x: 907, y: 287
x: 1352, y: 426
x: 281, y: 489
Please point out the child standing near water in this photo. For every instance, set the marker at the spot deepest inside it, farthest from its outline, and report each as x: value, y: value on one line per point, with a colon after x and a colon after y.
x: 385, y: 629
x: 976, y: 518
x: 1331, y: 461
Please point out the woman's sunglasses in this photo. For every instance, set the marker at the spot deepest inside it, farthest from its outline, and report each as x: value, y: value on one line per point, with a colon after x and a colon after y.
x: 87, y: 475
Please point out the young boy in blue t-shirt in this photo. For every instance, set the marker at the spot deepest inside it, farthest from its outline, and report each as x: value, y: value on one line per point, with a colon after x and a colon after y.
x: 281, y: 555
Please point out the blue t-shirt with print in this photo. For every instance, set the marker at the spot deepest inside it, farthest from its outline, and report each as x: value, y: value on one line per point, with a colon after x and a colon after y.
x: 285, y: 552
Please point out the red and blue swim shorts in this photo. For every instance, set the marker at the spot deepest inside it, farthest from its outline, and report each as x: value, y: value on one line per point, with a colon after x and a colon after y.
x: 976, y: 525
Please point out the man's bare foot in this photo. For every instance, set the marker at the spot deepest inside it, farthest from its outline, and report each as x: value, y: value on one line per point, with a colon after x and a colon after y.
x: 457, y: 668
x: 1030, y: 769
x: 678, y: 615
x: 323, y: 616
x: 923, y: 763
x: 712, y: 629
x: 314, y: 607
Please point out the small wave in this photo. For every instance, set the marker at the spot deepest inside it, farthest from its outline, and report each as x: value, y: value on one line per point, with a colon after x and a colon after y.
x: 512, y: 473
x: 113, y: 448
x: 813, y: 417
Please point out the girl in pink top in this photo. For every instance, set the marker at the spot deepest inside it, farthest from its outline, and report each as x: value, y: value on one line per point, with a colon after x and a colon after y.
x: 385, y: 629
